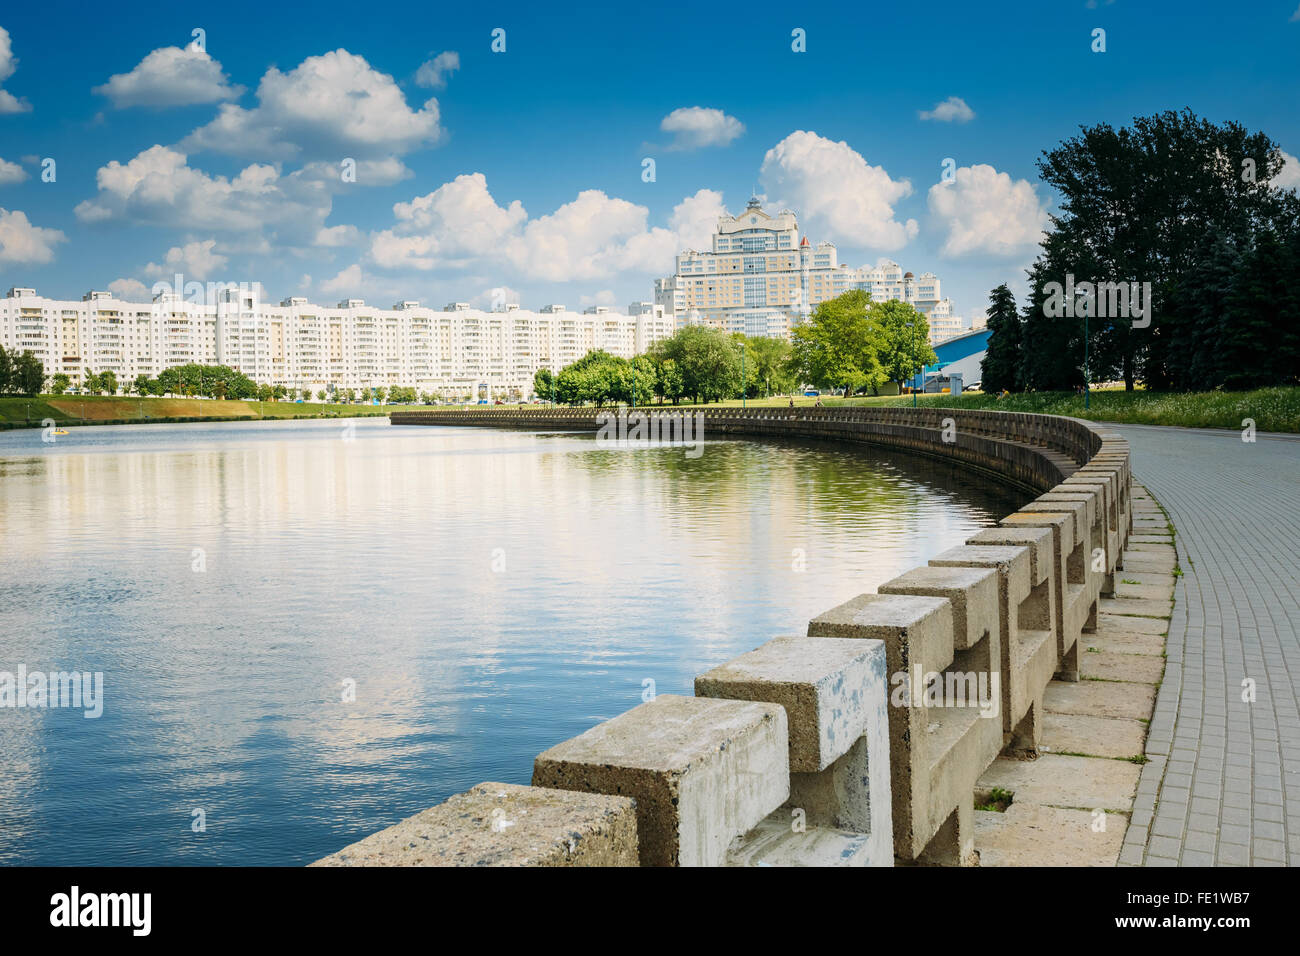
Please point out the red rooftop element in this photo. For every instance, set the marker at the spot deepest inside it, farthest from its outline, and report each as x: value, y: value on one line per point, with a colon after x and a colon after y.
x: 804, y: 242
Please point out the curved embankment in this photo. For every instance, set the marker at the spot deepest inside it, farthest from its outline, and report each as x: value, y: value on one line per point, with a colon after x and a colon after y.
x: 860, y: 743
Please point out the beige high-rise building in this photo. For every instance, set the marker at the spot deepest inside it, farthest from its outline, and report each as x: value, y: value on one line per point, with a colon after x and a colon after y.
x: 761, y: 278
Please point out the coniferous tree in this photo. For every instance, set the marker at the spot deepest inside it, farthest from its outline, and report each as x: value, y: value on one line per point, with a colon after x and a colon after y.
x: 1001, y: 368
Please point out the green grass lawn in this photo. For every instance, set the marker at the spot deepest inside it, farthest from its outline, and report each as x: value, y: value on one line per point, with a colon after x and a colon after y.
x: 1273, y: 409
x: 72, y: 409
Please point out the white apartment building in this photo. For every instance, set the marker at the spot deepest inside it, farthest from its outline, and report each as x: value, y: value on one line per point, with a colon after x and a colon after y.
x: 449, y: 352
x: 761, y: 278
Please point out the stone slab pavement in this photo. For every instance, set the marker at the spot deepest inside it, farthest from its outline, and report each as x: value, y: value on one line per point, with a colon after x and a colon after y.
x: 1223, y: 783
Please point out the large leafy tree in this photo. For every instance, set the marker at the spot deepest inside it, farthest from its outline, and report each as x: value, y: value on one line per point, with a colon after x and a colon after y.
x: 1000, y: 370
x: 769, y: 359
x: 707, y: 359
x: 1135, y: 205
x: 837, y: 345
x: 28, y: 374
x: 902, y: 341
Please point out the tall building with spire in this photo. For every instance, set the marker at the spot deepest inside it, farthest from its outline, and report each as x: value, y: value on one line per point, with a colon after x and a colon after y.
x: 761, y: 278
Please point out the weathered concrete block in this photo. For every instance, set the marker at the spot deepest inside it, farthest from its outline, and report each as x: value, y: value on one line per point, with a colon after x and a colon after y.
x: 936, y: 753
x: 917, y: 631
x: 777, y: 842
x: 830, y: 689
x: 1078, y: 512
x: 703, y: 771
x: 1028, y: 656
x: 1037, y: 540
x: 972, y: 591
x: 504, y: 824
x: 835, y: 694
x: 1070, y: 569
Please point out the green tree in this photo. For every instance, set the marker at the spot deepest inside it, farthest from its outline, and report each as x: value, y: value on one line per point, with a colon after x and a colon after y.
x: 837, y: 345
x: 770, y: 359
x: 1136, y: 203
x: 707, y: 359
x: 1051, y: 354
x: 28, y: 374
x: 108, y: 380
x: 6, y: 371
x: 60, y: 383
x: 902, y: 339
x: 543, y: 383
x: 1000, y: 369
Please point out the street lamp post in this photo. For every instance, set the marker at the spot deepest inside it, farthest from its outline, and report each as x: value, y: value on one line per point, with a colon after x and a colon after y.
x: 744, y: 383
x: 1087, y: 379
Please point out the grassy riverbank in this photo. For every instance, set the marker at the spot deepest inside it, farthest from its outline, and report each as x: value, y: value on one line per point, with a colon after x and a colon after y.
x: 73, y: 409
x: 1273, y: 409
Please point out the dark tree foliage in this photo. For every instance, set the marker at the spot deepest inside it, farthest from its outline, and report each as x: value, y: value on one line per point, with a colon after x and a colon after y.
x: 1000, y: 370
x: 1137, y: 204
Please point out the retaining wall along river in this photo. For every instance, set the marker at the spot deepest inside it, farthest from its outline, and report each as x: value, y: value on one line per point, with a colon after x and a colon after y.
x: 858, y: 743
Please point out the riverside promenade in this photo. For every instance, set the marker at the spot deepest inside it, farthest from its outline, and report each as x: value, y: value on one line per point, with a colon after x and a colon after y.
x: 1223, y: 783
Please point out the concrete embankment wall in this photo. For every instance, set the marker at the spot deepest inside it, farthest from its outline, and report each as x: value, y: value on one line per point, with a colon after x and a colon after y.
x: 858, y: 743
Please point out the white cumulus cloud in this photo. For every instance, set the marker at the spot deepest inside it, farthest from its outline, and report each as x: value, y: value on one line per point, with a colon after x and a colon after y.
x: 194, y: 260
x: 834, y: 189
x: 8, y: 63
x: 159, y: 188
x: 130, y: 290
x: 984, y: 211
x: 1289, y: 177
x: 329, y: 106
x: 694, y: 127
x: 433, y: 73
x: 461, y: 226
x: 22, y: 243
x: 951, y: 110
x: 170, y: 76
x: 11, y: 173
x: 333, y: 237
x: 347, y: 282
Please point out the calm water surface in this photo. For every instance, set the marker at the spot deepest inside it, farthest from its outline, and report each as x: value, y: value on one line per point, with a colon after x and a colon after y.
x: 490, y: 593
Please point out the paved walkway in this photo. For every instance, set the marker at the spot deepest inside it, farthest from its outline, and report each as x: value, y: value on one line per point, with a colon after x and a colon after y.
x: 1223, y: 784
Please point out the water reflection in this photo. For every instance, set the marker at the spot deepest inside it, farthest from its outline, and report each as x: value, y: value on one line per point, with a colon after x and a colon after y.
x: 490, y: 593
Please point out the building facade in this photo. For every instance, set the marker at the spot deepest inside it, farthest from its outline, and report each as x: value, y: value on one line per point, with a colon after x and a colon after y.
x: 448, y: 352
x: 761, y: 278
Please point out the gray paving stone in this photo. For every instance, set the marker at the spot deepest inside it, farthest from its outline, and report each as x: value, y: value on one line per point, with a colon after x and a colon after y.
x: 1236, y: 613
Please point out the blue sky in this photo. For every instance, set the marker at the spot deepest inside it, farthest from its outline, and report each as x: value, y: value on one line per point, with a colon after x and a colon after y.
x: 525, y: 173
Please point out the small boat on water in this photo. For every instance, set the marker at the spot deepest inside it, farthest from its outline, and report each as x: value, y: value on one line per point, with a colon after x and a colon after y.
x: 60, y: 431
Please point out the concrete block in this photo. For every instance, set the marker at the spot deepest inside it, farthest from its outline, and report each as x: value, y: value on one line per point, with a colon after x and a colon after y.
x: 504, y: 824
x: 1070, y: 567
x: 777, y: 842
x: 1027, y: 654
x: 1078, y: 512
x: 973, y: 593
x: 936, y: 753
x: 1037, y: 540
x: 830, y: 689
x: 702, y: 772
x: 835, y: 694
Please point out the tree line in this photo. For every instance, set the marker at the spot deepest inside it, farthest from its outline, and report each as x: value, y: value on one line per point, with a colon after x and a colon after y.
x: 1194, y: 209
x: 848, y: 343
